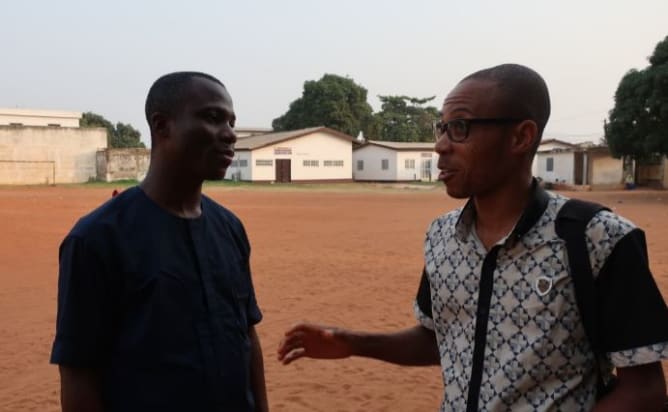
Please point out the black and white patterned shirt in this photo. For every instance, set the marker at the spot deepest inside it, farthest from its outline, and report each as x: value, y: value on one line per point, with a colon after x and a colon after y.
x: 507, y: 324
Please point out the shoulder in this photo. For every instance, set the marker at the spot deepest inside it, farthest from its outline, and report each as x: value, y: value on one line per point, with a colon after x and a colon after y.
x: 106, y: 216
x: 608, y: 228
x: 226, y: 221
x: 215, y: 210
x: 445, y: 222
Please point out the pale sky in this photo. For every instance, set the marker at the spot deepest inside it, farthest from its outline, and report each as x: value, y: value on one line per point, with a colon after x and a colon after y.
x: 103, y: 57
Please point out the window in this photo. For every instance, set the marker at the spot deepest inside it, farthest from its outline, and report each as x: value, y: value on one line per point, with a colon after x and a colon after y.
x: 550, y: 164
x: 384, y: 164
x: 53, y: 125
x: 409, y: 164
x: 360, y: 165
x: 239, y: 163
x: 264, y: 162
x: 333, y: 163
x: 311, y: 163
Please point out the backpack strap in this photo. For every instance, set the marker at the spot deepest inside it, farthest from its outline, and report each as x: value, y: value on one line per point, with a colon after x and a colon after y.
x: 570, y: 225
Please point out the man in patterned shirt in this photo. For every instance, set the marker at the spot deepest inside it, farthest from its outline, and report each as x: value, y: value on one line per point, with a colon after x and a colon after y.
x: 496, y: 304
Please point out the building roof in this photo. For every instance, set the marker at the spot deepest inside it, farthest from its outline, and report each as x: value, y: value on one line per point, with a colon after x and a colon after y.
x: 557, y: 141
x: 251, y: 131
x: 401, y: 146
x: 263, y: 140
x: 40, y: 113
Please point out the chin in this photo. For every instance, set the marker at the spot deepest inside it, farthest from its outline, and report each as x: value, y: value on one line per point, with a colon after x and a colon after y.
x: 216, y: 175
x: 456, y: 192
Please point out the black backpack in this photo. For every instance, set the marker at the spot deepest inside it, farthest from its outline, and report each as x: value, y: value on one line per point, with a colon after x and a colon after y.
x: 570, y: 225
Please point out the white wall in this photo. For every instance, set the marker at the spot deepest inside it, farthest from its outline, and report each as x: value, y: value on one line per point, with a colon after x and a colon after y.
x: 372, y: 156
x: 418, y: 157
x: 545, y: 147
x: 244, y: 173
x: 564, y: 163
x: 72, y: 151
x: 27, y: 117
x: 604, y: 170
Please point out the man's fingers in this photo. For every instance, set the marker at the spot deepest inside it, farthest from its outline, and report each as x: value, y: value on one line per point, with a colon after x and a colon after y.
x: 293, y: 356
x: 302, y: 327
x: 289, y: 345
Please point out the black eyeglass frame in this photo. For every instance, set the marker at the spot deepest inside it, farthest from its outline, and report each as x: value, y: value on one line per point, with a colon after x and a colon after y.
x: 441, y: 128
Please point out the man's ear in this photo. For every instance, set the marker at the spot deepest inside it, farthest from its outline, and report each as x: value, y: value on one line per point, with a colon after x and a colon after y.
x: 525, y: 137
x: 159, y: 124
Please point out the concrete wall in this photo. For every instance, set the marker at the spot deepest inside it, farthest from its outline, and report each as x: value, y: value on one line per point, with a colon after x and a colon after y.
x: 320, y: 147
x: 564, y: 163
x: 39, y: 155
x: 604, y: 170
x: 372, y: 156
x: 122, y: 164
x: 28, y: 117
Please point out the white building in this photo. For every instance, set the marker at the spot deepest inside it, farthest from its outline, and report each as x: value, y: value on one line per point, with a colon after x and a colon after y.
x: 395, y: 161
x: 30, y: 117
x: 578, y: 164
x: 316, y: 154
x: 557, y: 161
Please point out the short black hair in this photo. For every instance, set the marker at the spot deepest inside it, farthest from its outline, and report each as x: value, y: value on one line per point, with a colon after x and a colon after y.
x: 523, y: 92
x: 167, y: 92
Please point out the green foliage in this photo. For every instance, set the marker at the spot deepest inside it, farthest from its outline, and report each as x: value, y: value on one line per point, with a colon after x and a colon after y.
x: 333, y: 101
x: 638, y: 123
x: 120, y: 135
x: 404, y: 119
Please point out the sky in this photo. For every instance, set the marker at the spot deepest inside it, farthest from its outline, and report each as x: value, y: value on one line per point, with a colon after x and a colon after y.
x: 103, y: 56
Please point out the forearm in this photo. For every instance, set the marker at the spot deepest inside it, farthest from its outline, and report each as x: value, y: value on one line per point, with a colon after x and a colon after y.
x: 640, y: 388
x: 411, y: 347
x: 257, y: 373
x: 79, y: 390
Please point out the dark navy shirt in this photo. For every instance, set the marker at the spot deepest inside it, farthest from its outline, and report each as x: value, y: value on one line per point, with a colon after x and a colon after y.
x: 160, y: 304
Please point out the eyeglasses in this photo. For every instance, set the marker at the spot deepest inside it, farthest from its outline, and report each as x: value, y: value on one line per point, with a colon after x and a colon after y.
x: 458, y: 129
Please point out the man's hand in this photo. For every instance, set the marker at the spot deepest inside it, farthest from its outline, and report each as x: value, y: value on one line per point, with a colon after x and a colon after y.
x: 638, y: 388
x: 313, y: 341
x: 415, y: 346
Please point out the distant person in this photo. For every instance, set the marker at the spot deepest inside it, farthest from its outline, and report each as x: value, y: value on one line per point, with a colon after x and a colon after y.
x: 496, y: 305
x: 114, y: 193
x: 156, y: 308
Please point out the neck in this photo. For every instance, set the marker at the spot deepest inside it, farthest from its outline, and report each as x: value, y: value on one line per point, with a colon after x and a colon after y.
x: 498, y: 211
x: 173, y: 192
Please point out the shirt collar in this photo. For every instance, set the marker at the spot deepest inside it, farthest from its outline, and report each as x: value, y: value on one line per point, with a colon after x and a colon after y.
x: 538, y: 200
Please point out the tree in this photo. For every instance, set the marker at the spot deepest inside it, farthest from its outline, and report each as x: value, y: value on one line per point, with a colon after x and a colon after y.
x: 638, y: 123
x: 121, y: 135
x: 333, y: 101
x: 405, y: 119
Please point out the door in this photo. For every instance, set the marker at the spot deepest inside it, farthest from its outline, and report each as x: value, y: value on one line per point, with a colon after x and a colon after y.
x: 425, y: 170
x: 283, y: 169
x: 578, y: 169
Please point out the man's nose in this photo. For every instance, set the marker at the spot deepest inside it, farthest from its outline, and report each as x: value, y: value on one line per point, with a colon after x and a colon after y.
x: 443, y: 145
x: 228, y: 135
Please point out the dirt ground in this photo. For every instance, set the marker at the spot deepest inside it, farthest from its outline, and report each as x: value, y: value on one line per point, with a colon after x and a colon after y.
x: 350, y: 258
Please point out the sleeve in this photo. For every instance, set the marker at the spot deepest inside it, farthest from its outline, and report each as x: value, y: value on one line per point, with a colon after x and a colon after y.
x: 422, y: 305
x: 83, y: 321
x: 252, y: 309
x: 632, y: 314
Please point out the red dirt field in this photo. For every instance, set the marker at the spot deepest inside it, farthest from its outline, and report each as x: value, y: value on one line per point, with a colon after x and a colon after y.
x: 335, y: 256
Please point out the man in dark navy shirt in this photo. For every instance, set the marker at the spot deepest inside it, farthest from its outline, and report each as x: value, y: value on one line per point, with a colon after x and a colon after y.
x: 156, y: 307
